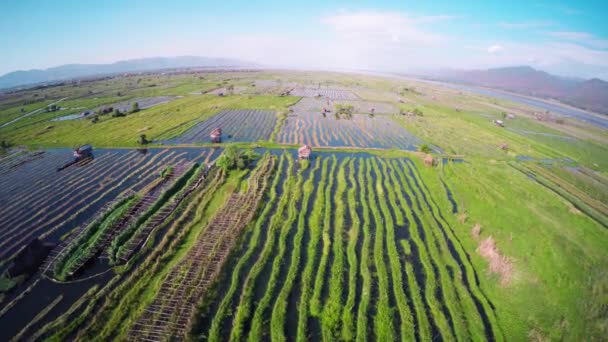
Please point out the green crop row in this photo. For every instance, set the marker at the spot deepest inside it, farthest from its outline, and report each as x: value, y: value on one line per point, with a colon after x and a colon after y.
x: 222, y: 311
x: 316, y: 305
x: 278, y: 318
x: 407, y: 325
x: 314, y: 223
x: 244, y: 310
x: 257, y: 322
x: 125, y: 303
x: 116, y: 249
x: 348, y: 315
x: 85, y: 245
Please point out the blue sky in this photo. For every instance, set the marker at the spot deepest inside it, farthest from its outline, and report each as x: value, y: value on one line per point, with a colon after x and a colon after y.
x: 569, y: 38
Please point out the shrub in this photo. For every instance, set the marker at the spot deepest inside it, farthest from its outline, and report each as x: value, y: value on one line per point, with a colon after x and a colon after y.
x: 345, y: 110
x: 142, y: 139
x: 117, y: 113
x: 425, y: 148
x: 232, y: 158
x: 135, y: 107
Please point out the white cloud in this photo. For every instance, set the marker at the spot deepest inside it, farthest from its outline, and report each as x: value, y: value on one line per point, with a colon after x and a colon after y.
x: 582, y: 38
x: 494, y: 49
x: 379, y: 27
x: 399, y: 42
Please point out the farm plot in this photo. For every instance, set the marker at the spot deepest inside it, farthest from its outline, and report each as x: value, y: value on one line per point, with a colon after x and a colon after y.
x: 237, y: 125
x: 349, y: 248
x: 124, y: 106
x: 227, y: 91
x: 316, y: 105
x: 15, y: 158
x: 359, y: 131
x: 38, y: 201
x: 334, y: 94
x: 143, y: 103
x: 168, y: 317
x: 120, y: 222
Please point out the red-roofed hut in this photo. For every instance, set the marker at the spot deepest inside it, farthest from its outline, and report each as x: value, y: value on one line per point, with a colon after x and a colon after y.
x: 304, y: 152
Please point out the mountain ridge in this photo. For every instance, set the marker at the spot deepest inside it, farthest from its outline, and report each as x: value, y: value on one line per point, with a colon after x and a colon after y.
x: 591, y: 94
x: 21, y: 78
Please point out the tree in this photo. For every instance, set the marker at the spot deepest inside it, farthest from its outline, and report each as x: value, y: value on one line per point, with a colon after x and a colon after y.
x: 135, y: 107
x: 230, y: 89
x: 425, y: 148
x: 232, y: 158
x: 143, y: 140
x: 5, y: 144
x: 95, y: 119
x: 117, y: 113
x: 345, y: 110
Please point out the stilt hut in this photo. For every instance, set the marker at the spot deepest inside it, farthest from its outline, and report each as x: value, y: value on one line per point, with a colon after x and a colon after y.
x: 304, y: 152
x: 428, y: 160
x: 82, y: 152
x: 216, y: 135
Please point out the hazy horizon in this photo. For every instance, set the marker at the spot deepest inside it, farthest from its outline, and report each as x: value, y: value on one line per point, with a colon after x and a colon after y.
x: 567, y: 39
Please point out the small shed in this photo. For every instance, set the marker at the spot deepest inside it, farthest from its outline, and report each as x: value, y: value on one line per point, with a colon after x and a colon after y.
x: 499, y: 123
x: 428, y: 160
x: 84, y: 151
x: 216, y: 135
x: 304, y: 152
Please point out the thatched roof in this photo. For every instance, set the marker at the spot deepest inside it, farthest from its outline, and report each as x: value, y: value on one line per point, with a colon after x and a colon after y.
x: 216, y: 132
x: 428, y: 160
x: 304, y: 151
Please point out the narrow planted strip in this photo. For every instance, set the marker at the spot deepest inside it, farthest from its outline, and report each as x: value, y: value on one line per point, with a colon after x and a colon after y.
x: 383, y: 322
x: 169, y: 316
x: 407, y: 325
x: 420, y: 313
x: 314, y: 224
x: 228, y: 299
x: 363, y: 327
x: 431, y: 292
x: 348, y: 314
x: 332, y: 311
x: 278, y: 318
x: 245, y: 307
x: 257, y: 323
x: 316, y: 305
x: 467, y: 281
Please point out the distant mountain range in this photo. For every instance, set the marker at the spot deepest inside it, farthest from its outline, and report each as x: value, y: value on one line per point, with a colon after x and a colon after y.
x: 586, y: 94
x: 71, y: 71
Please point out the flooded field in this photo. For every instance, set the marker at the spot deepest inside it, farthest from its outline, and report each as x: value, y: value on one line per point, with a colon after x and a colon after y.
x: 359, y: 131
x: 237, y: 125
